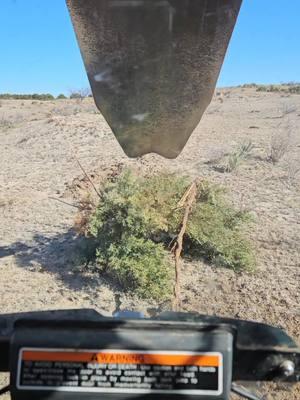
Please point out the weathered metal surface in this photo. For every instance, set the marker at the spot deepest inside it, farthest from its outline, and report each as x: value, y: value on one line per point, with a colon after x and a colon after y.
x: 153, y: 65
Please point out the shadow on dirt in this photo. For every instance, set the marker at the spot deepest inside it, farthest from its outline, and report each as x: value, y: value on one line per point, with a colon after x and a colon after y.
x: 6, y: 251
x: 65, y: 255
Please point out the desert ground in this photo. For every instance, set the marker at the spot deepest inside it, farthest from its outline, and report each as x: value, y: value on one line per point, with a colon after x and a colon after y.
x: 39, y: 175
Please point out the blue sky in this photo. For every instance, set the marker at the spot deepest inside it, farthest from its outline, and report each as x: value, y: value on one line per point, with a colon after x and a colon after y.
x: 39, y: 53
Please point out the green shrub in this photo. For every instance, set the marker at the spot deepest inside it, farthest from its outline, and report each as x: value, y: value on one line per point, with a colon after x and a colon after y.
x: 140, y: 265
x: 215, y: 231
x: 137, y: 219
x: 239, y: 155
x: 61, y: 97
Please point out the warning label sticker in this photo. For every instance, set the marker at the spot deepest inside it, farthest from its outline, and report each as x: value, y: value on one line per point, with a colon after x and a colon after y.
x: 120, y: 371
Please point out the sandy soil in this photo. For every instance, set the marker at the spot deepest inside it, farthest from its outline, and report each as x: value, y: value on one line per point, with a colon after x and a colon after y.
x: 39, y: 250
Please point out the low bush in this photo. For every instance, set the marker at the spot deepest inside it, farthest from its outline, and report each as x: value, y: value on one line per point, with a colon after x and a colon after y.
x: 80, y: 94
x: 282, y: 138
x: 138, y: 218
x: 280, y: 145
x: 61, y: 97
x: 249, y: 86
x: 231, y: 161
x: 238, y: 156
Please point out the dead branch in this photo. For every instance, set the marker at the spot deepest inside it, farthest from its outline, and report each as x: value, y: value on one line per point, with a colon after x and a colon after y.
x: 64, y: 202
x: 87, y: 176
x: 187, y: 200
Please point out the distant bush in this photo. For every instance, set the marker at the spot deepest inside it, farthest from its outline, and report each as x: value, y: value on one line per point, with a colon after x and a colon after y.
x: 35, y: 96
x: 288, y: 88
x: 269, y: 89
x: 137, y: 219
x: 80, y: 94
x: 294, y: 89
x: 76, y: 96
x: 249, y: 86
x: 61, y: 97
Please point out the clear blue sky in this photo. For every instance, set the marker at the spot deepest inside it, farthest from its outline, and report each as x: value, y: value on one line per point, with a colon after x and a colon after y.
x: 38, y: 50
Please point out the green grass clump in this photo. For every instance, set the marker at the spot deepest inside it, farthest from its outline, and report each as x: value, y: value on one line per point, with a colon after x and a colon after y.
x: 238, y: 156
x: 231, y: 161
x: 138, y: 217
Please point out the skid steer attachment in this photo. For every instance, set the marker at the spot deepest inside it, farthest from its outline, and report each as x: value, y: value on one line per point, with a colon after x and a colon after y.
x: 153, y: 65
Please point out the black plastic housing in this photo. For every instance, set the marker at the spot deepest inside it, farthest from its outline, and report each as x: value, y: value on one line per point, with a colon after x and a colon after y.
x: 121, y: 334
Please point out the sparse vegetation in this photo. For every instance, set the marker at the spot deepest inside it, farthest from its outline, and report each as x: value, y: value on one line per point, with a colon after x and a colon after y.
x: 5, y: 123
x: 137, y: 219
x: 280, y: 145
x: 292, y: 172
x: 288, y: 88
x: 249, y: 86
x: 80, y: 94
x: 230, y: 162
x: 67, y: 110
x: 268, y: 88
x: 35, y: 96
x: 238, y: 156
x: 294, y: 89
x: 281, y: 139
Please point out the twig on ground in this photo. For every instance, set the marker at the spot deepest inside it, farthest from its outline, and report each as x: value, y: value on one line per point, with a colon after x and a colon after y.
x: 87, y: 176
x: 64, y: 202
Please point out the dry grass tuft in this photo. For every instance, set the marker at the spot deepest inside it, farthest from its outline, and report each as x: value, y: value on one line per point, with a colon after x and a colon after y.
x: 281, y: 140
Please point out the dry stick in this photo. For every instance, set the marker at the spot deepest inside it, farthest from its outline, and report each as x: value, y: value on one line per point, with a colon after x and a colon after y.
x: 187, y: 193
x: 188, y: 198
x: 64, y: 202
x: 89, y: 179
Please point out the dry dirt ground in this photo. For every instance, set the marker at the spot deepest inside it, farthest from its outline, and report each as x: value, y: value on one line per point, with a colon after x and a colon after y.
x: 39, y: 250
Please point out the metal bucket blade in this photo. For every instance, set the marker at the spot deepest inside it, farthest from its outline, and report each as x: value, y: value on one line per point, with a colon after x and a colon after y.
x: 153, y: 65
